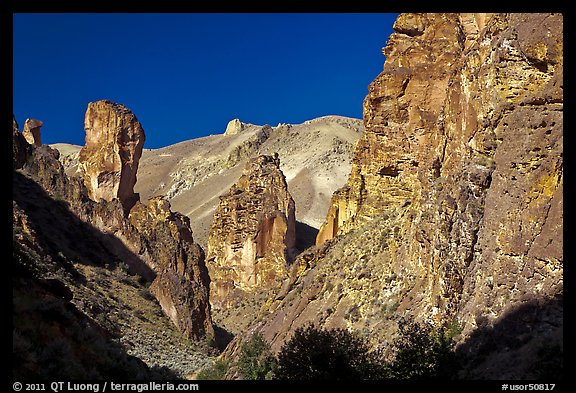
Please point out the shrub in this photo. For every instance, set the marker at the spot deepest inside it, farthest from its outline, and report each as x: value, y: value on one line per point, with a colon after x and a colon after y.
x: 314, y: 353
x: 424, y: 352
x: 146, y: 294
x: 256, y: 361
x: 215, y: 372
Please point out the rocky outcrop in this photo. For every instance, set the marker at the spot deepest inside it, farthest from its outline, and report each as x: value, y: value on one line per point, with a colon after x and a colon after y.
x: 31, y: 132
x: 21, y: 150
x: 152, y: 241
x: 57, y: 247
x: 454, y: 203
x: 248, y: 148
x: 182, y: 282
x: 472, y: 164
x: 109, y: 160
x: 234, y: 127
x: 403, y: 138
x: 253, y: 233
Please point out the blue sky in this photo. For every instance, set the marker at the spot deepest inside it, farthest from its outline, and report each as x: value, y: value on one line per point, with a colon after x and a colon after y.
x: 187, y: 75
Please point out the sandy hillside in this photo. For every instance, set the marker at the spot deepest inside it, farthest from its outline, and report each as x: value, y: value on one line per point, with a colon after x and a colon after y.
x: 68, y: 156
x: 315, y: 157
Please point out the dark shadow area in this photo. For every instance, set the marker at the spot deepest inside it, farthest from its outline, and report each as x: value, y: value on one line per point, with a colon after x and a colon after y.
x: 222, y: 337
x: 52, y: 339
x: 69, y: 238
x: 305, y: 236
x: 525, y: 343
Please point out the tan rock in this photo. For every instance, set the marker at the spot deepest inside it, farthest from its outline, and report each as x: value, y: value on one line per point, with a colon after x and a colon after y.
x: 253, y: 233
x: 109, y: 160
x: 152, y: 240
x: 21, y: 150
x: 234, y: 127
x: 32, y: 132
x: 453, y: 207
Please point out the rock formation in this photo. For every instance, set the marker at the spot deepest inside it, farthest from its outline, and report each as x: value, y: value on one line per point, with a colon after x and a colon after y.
x: 21, y: 150
x: 253, y: 233
x: 465, y: 126
x: 453, y: 208
x: 109, y: 160
x: 80, y: 301
x: 317, y: 157
x: 182, y: 282
x: 151, y: 240
x: 234, y: 127
x: 32, y: 132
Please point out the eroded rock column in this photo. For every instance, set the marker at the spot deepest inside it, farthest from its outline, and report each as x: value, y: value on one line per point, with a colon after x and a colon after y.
x: 109, y: 160
x: 252, y: 237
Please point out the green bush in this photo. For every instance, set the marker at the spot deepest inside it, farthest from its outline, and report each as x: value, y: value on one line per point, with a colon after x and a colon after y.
x: 421, y: 351
x: 424, y: 352
x: 216, y: 372
x: 335, y: 354
x: 256, y: 361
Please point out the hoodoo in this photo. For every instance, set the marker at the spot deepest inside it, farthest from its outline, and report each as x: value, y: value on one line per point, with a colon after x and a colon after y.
x: 252, y: 237
x: 109, y: 160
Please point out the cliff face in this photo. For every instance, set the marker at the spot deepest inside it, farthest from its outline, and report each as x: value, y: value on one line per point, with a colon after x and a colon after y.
x: 464, y: 127
x: 401, y: 111
x: 453, y: 208
x: 182, y: 283
x: 151, y: 240
x: 252, y: 237
x: 109, y: 160
x: 21, y: 150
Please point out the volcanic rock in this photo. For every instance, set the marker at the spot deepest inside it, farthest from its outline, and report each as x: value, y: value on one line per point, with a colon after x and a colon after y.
x: 252, y: 236
x: 32, y: 132
x: 151, y: 241
x: 477, y: 170
x: 182, y: 282
x: 452, y: 212
x: 109, y: 160
x: 21, y: 150
x: 234, y: 127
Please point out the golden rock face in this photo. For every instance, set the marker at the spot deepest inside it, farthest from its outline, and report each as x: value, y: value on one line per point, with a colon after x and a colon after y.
x: 149, y: 239
x: 109, y: 160
x: 252, y: 237
x: 21, y: 150
x: 453, y: 207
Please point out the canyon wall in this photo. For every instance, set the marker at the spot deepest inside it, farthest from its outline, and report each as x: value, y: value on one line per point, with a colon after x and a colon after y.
x: 464, y: 130
x: 452, y: 212
x: 148, y: 239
